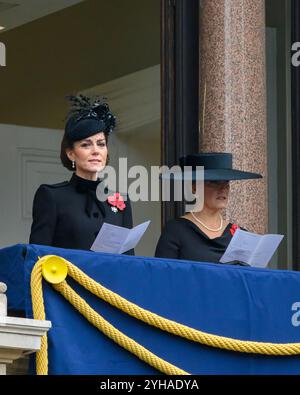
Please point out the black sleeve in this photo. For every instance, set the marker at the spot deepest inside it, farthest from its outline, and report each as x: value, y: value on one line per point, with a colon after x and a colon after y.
x: 44, y: 217
x: 127, y: 222
x: 168, y: 245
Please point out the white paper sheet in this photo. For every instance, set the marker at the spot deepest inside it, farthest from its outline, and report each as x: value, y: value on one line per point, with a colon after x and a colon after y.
x: 251, y: 248
x: 116, y: 239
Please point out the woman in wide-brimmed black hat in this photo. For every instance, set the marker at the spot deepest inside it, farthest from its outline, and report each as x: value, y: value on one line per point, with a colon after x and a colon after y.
x: 203, y: 235
x: 69, y: 214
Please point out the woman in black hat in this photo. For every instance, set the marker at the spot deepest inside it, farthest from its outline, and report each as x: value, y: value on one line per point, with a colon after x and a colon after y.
x: 69, y: 214
x: 203, y: 235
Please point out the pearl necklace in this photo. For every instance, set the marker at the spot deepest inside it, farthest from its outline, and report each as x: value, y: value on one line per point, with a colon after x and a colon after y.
x: 207, y: 227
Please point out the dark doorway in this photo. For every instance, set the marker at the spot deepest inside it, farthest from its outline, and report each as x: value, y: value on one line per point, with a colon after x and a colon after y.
x: 179, y: 86
x: 295, y: 88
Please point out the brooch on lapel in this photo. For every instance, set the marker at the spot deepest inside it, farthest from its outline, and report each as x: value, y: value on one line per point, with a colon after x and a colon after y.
x: 233, y: 228
x: 117, y: 202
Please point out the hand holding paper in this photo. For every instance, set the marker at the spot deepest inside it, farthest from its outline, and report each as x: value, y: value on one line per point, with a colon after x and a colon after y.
x: 116, y: 239
x: 251, y: 248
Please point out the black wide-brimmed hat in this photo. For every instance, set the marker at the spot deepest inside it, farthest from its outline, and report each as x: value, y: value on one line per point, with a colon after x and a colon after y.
x: 217, y: 167
x: 87, y: 117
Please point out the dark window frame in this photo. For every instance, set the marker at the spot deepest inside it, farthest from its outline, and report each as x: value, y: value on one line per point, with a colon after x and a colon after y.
x: 295, y: 89
x: 179, y: 87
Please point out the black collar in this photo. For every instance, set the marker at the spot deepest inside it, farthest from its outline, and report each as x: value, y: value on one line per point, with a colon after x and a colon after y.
x: 88, y: 187
x: 82, y: 184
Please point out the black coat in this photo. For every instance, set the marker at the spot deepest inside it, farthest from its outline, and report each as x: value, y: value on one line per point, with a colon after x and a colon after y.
x: 69, y: 215
x: 182, y: 239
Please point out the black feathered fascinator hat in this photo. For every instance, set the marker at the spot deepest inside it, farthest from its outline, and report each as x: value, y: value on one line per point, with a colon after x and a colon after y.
x: 87, y: 117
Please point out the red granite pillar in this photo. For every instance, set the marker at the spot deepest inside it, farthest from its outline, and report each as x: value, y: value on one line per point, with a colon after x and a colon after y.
x: 233, y: 99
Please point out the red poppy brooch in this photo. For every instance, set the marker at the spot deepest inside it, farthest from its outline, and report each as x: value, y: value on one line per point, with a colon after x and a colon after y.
x: 117, y: 202
x: 233, y: 228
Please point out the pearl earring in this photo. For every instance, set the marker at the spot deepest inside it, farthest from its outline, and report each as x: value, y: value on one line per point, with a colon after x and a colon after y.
x: 73, y: 164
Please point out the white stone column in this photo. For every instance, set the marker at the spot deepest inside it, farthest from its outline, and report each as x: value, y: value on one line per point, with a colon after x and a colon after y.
x: 18, y: 336
x: 3, y: 300
x: 3, y: 312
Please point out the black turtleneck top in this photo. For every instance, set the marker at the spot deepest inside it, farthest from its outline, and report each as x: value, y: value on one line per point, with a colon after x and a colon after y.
x: 69, y: 215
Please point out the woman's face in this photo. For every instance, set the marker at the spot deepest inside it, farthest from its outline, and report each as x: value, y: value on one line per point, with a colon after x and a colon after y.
x: 90, y: 154
x: 216, y: 194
